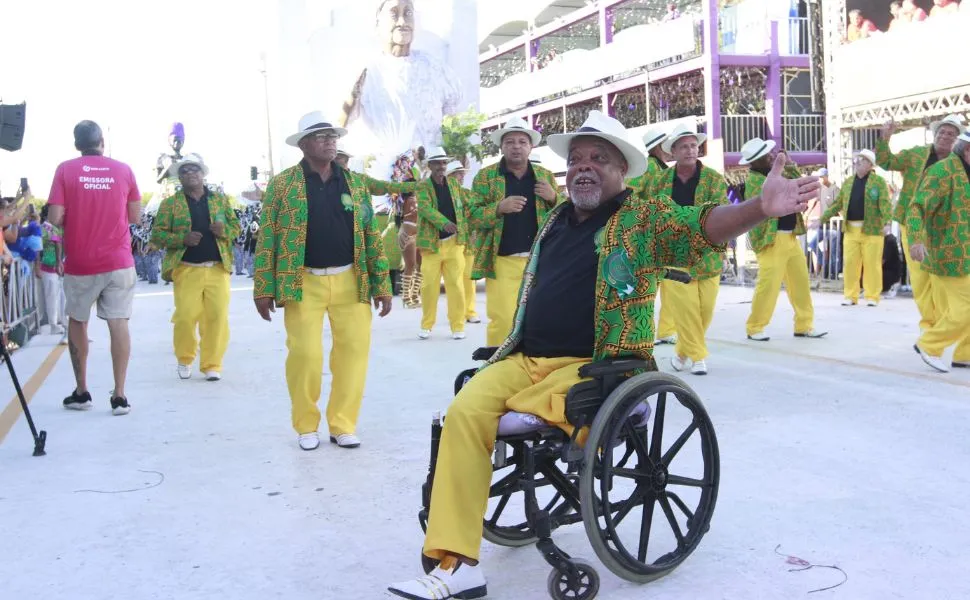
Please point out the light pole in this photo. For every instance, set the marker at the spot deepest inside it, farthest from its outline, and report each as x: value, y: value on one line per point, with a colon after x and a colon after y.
x: 269, y: 128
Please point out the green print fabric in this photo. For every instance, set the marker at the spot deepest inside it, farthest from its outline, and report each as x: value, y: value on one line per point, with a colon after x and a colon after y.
x: 939, y: 218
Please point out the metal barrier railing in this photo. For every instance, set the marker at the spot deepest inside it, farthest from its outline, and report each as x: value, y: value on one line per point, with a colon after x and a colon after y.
x: 19, y: 304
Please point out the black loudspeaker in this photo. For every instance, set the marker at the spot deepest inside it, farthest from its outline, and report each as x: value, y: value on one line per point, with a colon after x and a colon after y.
x: 12, y: 119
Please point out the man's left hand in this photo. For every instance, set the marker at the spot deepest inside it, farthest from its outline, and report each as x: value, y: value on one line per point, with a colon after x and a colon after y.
x: 545, y: 191
x: 218, y: 228
x: 781, y: 197
x: 383, y: 303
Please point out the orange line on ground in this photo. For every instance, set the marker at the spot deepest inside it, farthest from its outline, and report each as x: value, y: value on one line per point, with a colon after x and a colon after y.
x: 12, y: 412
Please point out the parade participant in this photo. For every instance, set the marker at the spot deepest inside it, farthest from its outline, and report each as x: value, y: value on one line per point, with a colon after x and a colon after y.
x: 866, y: 208
x: 456, y: 171
x: 196, y: 227
x: 320, y: 254
x: 938, y: 220
x: 780, y: 256
x: 512, y: 197
x: 93, y: 199
x: 912, y: 163
x: 343, y: 158
x: 570, y: 313
x: 690, y: 183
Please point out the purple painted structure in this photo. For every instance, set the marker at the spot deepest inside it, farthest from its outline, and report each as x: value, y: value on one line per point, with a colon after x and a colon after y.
x: 710, y: 63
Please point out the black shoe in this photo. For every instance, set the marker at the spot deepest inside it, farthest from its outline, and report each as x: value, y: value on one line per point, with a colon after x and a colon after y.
x: 78, y: 401
x: 120, y: 406
x: 960, y: 365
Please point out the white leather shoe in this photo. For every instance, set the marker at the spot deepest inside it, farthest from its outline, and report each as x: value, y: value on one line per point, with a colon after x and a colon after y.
x: 458, y: 335
x: 678, y: 363
x: 185, y: 371
x: 345, y: 440
x: 212, y: 376
x: 759, y: 337
x: 699, y: 368
x: 309, y: 441
x: 464, y: 582
x: 424, y: 334
x: 935, y: 362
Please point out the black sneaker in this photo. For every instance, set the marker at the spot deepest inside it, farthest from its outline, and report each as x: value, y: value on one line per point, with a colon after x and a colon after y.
x: 78, y: 401
x: 120, y: 406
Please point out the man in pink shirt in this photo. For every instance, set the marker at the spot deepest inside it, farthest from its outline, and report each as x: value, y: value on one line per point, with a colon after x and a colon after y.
x: 93, y: 199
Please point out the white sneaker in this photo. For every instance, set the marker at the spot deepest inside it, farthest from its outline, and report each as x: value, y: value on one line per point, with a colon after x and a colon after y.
x: 872, y: 303
x: 473, y: 320
x: 424, y: 334
x: 464, y: 582
x: 345, y: 440
x: 699, y: 368
x: 213, y: 376
x: 848, y: 302
x: 185, y: 371
x: 670, y: 339
x: 309, y: 441
x: 458, y: 335
x: 759, y: 337
x: 936, y: 362
x: 678, y: 363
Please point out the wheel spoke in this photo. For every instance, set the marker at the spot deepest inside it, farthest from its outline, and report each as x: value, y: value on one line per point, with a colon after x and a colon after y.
x: 674, y: 526
x: 678, y: 444
x: 647, y: 521
x: 680, y: 504
x: 626, y: 455
x: 658, y: 428
x: 639, y: 443
x: 498, y: 510
x: 686, y: 481
x: 630, y: 474
x: 630, y: 504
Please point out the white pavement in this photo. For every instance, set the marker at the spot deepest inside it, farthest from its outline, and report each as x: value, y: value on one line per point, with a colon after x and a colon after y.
x: 845, y: 451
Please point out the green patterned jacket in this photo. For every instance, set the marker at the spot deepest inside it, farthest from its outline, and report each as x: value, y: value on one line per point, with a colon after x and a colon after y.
x: 711, y: 189
x: 939, y: 218
x: 878, y: 202
x: 488, y: 191
x: 641, y: 185
x: 173, y: 222
x: 653, y: 235
x: 279, y: 257
x: 763, y: 235
x: 430, y: 220
x: 911, y: 162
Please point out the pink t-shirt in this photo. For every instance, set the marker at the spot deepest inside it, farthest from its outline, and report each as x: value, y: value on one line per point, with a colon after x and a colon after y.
x: 95, y: 192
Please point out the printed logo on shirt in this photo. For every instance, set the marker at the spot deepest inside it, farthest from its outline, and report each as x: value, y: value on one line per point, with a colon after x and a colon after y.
x: 96, y: 183
x: 89, y: 168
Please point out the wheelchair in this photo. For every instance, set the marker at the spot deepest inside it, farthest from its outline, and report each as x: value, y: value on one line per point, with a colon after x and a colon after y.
x: 624, y: 465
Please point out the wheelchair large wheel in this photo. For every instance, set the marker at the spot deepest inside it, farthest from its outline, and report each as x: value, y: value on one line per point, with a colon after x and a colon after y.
x: 628, y: 468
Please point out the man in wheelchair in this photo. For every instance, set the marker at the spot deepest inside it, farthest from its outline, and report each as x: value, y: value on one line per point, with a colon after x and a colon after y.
x: 587, y: 295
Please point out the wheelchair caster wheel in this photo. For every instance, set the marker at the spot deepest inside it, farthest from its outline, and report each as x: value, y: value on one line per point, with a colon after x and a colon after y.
x: 428, y: 563
x: 584, y: 587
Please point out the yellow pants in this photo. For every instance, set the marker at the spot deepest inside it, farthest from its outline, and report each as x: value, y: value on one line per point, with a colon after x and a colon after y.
x: 501, y: 295
x: 782, y: 262
x: 470, y: 311
x: 350, y: 326
x: 666, y: 327
x: 922, y: 284
x: 693, y: 310
x: 952, y: 298
x: 863, y: 259
x: 448, y: 261
x: 463, y: 474
x: 201, y: 301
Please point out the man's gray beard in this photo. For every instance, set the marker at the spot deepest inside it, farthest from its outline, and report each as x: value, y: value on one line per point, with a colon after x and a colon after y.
x: 587, y: 200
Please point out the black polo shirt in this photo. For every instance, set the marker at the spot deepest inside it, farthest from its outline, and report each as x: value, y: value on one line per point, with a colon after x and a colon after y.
x: 857, y: 200
x: 446, y: 205
x: 559, y: 316
x: 330, y: 225
x: 207, y: 250
x: 932, y: 159
x: 683, y: 192
x: 519, y: 229
x: 788, y: 222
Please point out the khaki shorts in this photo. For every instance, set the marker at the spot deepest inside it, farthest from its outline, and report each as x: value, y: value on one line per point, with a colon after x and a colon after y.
x: 113, y: 291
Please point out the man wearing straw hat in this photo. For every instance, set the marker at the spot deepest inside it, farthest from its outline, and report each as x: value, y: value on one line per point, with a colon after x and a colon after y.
x: 690, y: 183
x: 912, y: 163
x: 866, y: 208
x: 196, y: 227
x: 780, y: 256
x: 593, y: 271
x: 938, y: 219
x: 455, y: 170
x: 512, y: 197
x: 320, y: 254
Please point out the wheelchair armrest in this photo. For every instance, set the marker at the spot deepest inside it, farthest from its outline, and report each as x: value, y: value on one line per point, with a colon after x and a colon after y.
x: 612, y: 366
x: 484, y: 353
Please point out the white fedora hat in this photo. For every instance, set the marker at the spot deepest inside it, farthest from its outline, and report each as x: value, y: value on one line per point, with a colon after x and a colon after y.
x: 681, y: 131
x: 868, y: 155
x: 190, y: 159
x: 311, y: 123
x: 607, y: 128
x: 437, y: 153
x: 515, y: 124
x: 952, y: 120
x: 754, y: 149
x: 453, y: 167
x: 341, y: 150
x: 654, y: 137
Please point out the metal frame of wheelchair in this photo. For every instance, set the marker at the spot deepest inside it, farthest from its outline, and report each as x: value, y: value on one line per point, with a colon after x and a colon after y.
x: 605, y: 403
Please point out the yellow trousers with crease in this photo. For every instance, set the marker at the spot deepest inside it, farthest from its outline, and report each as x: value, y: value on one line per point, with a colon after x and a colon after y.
x: 463, y: 474
x: 333, y: 296
x: 922, y: 284
x: 666, y: 327
x: 952, y: 298
x: 693, y: 310
x: 501, y: 295
x: 447, y: 262
x: 782, y: 262
x: 470, y: 311
x: 201, y: 302
x: 863, y: 259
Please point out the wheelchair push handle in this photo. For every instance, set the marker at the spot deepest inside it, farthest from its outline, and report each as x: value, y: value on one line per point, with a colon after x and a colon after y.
x: 678, y: 276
